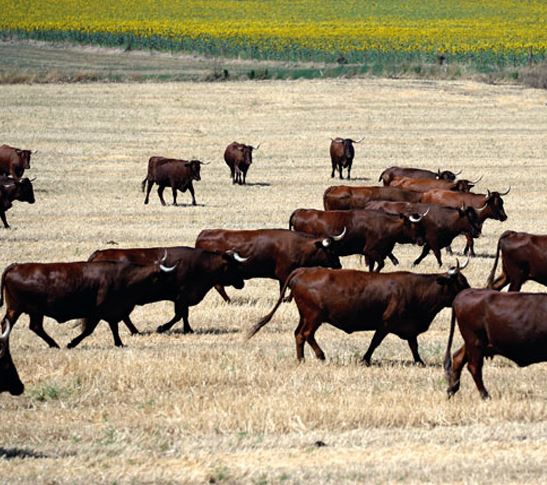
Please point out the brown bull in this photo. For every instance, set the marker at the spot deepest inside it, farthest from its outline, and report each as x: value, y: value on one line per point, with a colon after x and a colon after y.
x: 401, y: 303
x: 424, y: 185
x: 65, y: 291
x: 344, y: 197
x: 14, y: 161
x: 9, y: 377
x: 197, y: 271
x: 239, y: 158
x: 491, y: 323
x: 174, y: 173
x: 12, y: 189
x: 373, y: 233
x: 271, y: 253
x: 523, y: 256
x: 442, y: 224
x: 342, y: 153
x: 488, y: 206
x: 388, y: 174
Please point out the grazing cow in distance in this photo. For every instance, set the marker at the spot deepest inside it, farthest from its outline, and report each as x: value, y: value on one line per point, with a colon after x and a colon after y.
x: 239, y: 158
x: 424, y: 185
x: 197, y: 271
x: 65, y: 291
x: 492, y: 323
x: 14, y: 161
x: 344, y: 197
x: 401, y: 303
x: 14, y: 189
x: 388, y: 174
x: 442, y: 224
x: 174, y: 173
x: 373, y: 233
x: 9, y: 377
x: 271, y: 253
x: 341, y: 154
x: 523, y: 256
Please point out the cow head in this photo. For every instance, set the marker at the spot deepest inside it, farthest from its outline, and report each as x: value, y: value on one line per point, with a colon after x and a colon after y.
x: 325, y: 251
x: 494, y: 203
x: 447, y: 175
x: 9, y: 378
x: 24, y: 157
x: 25, y: 191
x: 473, y: 220
x: 414, y: 228
x: 452, y: 282
x: 231, y: 274
x: 247, y: 152
x: 195, y: 169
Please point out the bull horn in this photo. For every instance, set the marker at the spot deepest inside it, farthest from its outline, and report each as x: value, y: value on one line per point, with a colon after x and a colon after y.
x: 353, y: 141
x: 326, y: 242
x: 238, y: 258
x: 413, y: 218
x: 257, y: 147
x: 482, y: 208
x: 506, y: 192
x: 5, y: 335
x: 488, y: 194
x: 465, y: 264
x: 426, y: 212
x: 458, y: 173
x: 340, y: 236
x: 474, y: 182
x: 164, y: 257
x: 203, y: 163
x: 167, y: 269
x: 33, y: 152
x: 32, y: 179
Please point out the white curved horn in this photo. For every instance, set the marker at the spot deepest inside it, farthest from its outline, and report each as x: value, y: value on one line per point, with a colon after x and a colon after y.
x: 458, y: 173
x: 238, y: 258
x: 475, y: 181
x: 164, y: 257
x: 5, y: 335
x: 167, y: 269
x: 326, y: 242
x: 426, y: 212
x: 506, y: 192
x: 413, y: 218
x: 340, y: 236
x: 482, y: 208
x: 465, y: 264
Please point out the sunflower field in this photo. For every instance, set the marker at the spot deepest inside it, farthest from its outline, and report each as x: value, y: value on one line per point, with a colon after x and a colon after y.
x: 500, y: 32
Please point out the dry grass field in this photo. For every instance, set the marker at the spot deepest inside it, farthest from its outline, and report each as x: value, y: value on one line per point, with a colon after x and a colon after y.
x: 212, y: 407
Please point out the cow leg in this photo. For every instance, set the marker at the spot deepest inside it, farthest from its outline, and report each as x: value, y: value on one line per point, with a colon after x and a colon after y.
x: 437, y: 253
x: 393, y: 259
x: 349, y: 171
x: 300, y: 340
x: 37, y: 326
x: 148, y: 189
x: 4, y: 220
x: 116, y: 334
x: 425, y: 252
x: 129, y: 324
x: 516, y: 285
x: 476, y: 360
x: 333, y: 170
x: 458, y: 361
x: 181, y: 311
x: 222, y: 292
x: 413, y: 344
x: 379, y: 335
x: 161, y: 188
x: 89, y: 327
x: 174, y: 191
x: 309, y: 335
x: 470, y: 246
x: 381, y: 263
x: 340, y: 171
x: 191, y: 189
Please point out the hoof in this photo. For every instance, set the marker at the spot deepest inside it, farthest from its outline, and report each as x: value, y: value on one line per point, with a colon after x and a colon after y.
x: 161, y: 329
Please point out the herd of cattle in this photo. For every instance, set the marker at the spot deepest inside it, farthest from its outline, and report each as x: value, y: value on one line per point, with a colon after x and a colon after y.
x: 414, y: 206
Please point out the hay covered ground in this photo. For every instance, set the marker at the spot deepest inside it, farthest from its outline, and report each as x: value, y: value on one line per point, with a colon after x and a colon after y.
x: 211, y: 407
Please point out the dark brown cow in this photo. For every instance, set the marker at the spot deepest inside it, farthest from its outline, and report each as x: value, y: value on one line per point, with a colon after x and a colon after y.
x: 491, y: 323
x: 14, y: 161
x: 424, y: 185
x: 341, y: 154
x: 64, y: 291
x: 197, y: 272
x: 14, y: 189
x: 401, y: 303
x: 373, y: 233
x: 239, y: 157
x: 488, y: 206
x: 271, y: 253
x: 174, y: 173
x: 442, y: 224
x: 388, y: 174
x: 9, y: 377
x: 344, y: 197
x: 523, y: 257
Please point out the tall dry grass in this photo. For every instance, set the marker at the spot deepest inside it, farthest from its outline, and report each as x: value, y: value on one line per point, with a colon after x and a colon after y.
x: 211, y: 407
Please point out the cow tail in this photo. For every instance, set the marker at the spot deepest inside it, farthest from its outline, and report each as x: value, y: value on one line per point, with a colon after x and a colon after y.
x: 2, y: 283
x: 257, y: 326
x: 490, y: 280
x: 448, y: 354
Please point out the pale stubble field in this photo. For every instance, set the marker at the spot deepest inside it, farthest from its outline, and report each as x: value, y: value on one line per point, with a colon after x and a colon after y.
x: 212, y: 407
